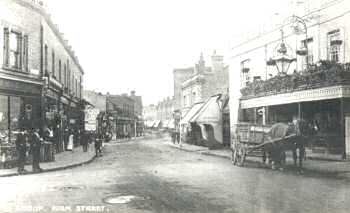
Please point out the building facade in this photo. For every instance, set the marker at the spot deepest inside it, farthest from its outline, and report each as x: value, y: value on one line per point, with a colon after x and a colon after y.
x: 40, y: 76
x: 97, y: 99
x: 298, y: 71
x: 198, y: 87
x: 122, y: 109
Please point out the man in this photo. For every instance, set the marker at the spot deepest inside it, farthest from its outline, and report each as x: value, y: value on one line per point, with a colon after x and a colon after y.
x: 21, y: 147
x: 98, y: 144
x: 36, y: 141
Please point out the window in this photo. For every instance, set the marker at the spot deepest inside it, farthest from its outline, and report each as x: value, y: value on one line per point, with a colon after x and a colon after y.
x: 59, y: 71
x: 309, y: 59
x: 194, y: 97
x: 334, y: 44
x: 65, y: 75
x: 15, y: 50
x: 245, y: 72
x: 53, y: 64
x: 46, y: 60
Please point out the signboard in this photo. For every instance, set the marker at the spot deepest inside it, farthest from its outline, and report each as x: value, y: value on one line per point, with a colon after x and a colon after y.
x: 91, y: 119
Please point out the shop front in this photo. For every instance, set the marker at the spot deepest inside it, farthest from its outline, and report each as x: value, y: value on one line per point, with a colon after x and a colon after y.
x: 20, y: 107
x: 325, y: 111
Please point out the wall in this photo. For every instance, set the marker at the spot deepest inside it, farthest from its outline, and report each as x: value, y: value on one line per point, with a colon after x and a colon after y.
x: 23, y: 18
x: 180, y: 75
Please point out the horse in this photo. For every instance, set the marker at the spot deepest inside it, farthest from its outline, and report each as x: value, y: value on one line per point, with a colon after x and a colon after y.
x: 295, y: 142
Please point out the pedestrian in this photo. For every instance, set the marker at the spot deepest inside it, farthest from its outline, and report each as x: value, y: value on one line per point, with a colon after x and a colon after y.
x: 70, y: 141
x: 36, y: 141
x: 85, y: 141
x: 21, y: 147
x: 98, y: 144
x: 66, y: 138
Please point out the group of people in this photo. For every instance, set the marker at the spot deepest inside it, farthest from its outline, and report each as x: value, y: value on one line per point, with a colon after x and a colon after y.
x: 33, y: 138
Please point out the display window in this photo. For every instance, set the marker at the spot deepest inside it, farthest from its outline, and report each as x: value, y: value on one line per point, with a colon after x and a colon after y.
x: 17, y: 112
x: 4, y: 122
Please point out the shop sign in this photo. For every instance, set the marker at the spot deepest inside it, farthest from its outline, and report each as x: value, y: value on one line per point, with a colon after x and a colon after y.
x: 91, y: 119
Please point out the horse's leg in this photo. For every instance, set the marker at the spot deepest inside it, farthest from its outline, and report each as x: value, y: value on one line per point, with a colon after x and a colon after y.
x: 264, y: 156
x: 301, y: 156
x: 294, y: 150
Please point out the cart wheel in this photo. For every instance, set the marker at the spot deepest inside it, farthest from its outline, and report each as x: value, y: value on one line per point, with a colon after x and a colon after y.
x: 238, y: 156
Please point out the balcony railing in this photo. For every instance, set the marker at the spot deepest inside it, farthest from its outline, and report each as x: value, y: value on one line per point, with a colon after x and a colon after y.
x: 324, y: 74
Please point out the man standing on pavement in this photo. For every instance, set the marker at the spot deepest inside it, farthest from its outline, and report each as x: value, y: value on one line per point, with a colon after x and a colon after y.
x: 36, y: 141
x: 21, y: 147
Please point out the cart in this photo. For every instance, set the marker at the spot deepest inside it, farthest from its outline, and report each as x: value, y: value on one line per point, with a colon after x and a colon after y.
x: 255, y: 140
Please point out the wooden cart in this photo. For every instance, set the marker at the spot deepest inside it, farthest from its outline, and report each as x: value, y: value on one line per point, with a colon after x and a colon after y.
x: 254, y: 140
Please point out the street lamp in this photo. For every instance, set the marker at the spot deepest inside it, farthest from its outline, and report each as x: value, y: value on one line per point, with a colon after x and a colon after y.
x: 281, y: 59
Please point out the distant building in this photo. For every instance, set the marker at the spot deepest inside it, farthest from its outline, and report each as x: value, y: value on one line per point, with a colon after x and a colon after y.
x: 193, y: 87
x: 97, y: 99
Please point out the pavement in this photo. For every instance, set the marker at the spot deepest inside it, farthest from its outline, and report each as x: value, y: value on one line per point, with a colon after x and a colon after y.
x: 63, y: 160
x: 326, y: 167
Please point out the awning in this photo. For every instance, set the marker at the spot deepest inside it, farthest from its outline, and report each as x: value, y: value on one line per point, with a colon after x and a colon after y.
x: 193, y: 111
x: 210, y: 114
x: 156, y: 124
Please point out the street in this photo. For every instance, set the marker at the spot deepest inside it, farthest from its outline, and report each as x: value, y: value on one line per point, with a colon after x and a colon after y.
x: 154, y: 177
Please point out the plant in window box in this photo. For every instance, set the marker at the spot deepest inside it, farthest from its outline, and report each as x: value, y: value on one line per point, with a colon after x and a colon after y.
x: 270, y: 62
x: 301, y: 52
x: 336, y: 42
x: 245, y: 70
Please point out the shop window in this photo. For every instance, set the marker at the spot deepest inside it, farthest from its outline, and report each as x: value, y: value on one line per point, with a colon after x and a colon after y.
x: 15, y: 103
x: 4, y: 122
x: 15, y: 50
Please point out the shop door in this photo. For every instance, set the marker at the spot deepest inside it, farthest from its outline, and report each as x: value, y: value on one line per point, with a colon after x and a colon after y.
x: 347, y: 134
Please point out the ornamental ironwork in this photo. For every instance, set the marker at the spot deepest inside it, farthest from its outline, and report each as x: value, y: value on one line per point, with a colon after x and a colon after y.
x: 322, y: 74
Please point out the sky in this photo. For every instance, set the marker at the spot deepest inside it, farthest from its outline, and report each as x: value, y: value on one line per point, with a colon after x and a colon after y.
x: 135, y: 44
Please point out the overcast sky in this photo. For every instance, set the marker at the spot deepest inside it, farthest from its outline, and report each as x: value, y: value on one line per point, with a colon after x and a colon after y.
x: 136, y: 44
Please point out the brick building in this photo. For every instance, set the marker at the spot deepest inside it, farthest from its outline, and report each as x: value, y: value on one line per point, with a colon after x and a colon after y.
x: 40, y: 77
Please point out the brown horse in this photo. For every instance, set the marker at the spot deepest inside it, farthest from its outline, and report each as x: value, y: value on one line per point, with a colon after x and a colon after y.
x: 295, y: 143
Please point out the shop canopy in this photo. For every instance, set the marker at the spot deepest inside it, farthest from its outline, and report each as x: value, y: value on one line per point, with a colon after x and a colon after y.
x: 156, y: 124
x: 210, y: 112
x: 193, y: 111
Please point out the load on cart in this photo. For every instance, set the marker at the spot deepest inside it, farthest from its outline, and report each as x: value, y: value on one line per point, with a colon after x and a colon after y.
x: 270, y: 142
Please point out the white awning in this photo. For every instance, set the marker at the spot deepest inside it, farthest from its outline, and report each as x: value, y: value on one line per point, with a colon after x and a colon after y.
x: 193, y: 111
x: 156, y: 124
x: 209, y: 113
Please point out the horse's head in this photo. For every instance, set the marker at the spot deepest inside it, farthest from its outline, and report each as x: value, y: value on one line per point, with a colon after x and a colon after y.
x: 300, y: 127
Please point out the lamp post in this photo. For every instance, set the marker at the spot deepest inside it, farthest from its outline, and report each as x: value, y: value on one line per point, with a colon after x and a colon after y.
x: 281, y: 59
